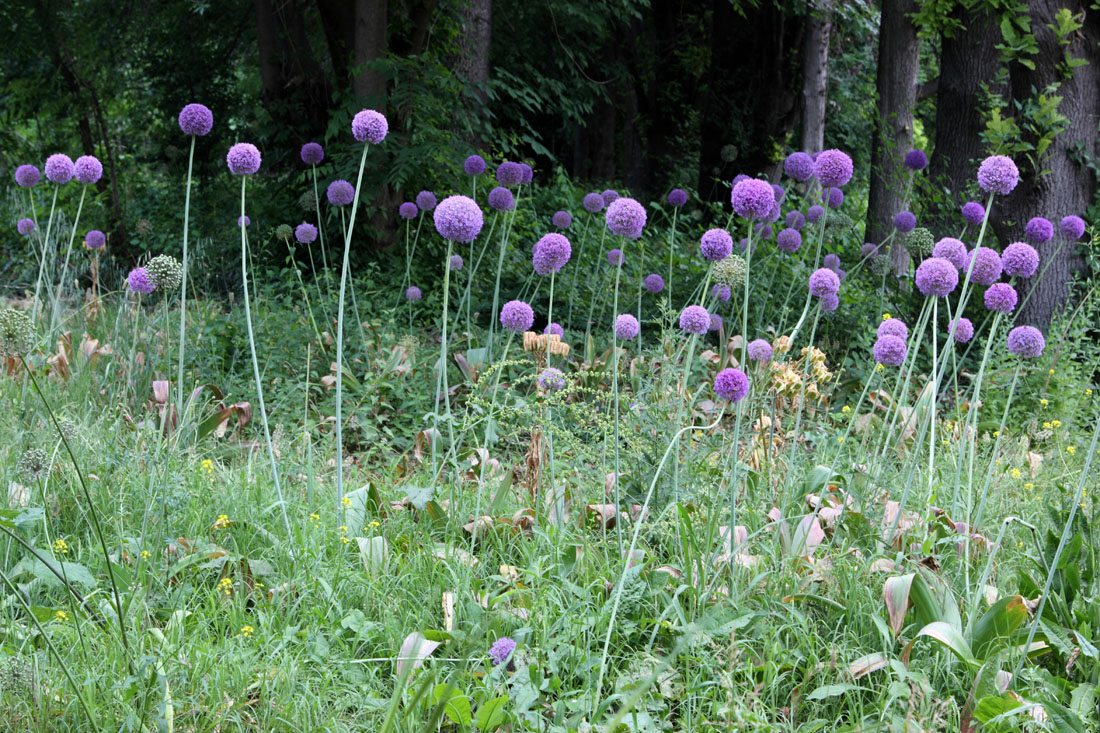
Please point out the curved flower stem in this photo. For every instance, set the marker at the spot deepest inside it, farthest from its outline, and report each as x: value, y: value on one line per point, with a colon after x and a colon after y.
x: 504, y: 232
x: 969, y: 446
x: 745, y: 302
x: 689, y: 355
x: 996, y: 447
x: 615, y: 402
x: 45, y: 252
x: 321, y: 233
x: 640, y: 274
x: 559, y: 515
x: 183, y: 284
x: 577, y: 268
x: 441, y: 378
x: 935, y: 391
x: 471, y: 268
x: 593, y: 295
x: 671, y: 251
x: 65, y: 267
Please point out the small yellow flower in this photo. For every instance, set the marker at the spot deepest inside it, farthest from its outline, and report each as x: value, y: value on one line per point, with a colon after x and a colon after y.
x: 840, y: 439
x: 1071, y: 449
x: 247, y: 631
x: 345, y: 540
x: 373, y: 524
x: 225, y: 585
x: 1056, y: 423
x: 315, y: 518
x: 1088, y: 393
x: 207, y: 468
x: 346, y: 501
x: 1015, y: 473
x: 886, y: 316
x: 1047, y: 426
x: 60, y: 616
x: 1051, y: 371
x: 945, y: 441
x: 60, y: 546
x: 145, y: 554
x: 996, y: 433
x: 221, y: 522
x: 846, y: 409
x: 342, y: 529
x: 879, y: 367
x: 1029, y: 486
x: 1044, y: 402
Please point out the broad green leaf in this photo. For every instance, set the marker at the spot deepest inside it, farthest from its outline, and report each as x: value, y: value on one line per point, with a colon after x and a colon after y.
x: 490, y: 715
x: 456, y: 706
x: 950, y: 637
x: 12, y: 518
x: 997, y: 625
x: 75, y: 573
x: 826, y: 691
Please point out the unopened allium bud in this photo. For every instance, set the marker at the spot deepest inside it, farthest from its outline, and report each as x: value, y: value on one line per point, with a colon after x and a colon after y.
x: 166, y: 272
x: 16, y: 333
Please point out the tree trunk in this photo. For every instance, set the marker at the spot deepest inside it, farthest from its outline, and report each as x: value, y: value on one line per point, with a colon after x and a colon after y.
x: 338, y: 23
x: 815, y: 73
x: 370, y: 45
x: 473, y: 61
x: 896, y: 83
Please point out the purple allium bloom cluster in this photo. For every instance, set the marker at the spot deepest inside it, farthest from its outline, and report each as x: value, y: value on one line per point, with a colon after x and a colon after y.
x: 243, y: 159
x: 526, y: 173
x: 413, y: 294
x: 780, y: 194
x: 834, y: 197
x: 985, y: 266
x: 95, y: 239
x: 551, y: 253
x: 196, y: 119
x: 87, y: 169
x: 721, y: 292
x: 889, y: 350
x: 1039, y: 230
x: 312, y: 153
x: 501, y: 199
x: 752, y: 198
x: 963, y: 328
x: 27, y: 176
x: 1073, y: 227
x: 458, y: 219
x: 25, y: 226
x: 407, y: 210
x: 893, y: 327
x: 998, y: 174
x: 614, y: 257
x: 551, y: 379
x: 369, y: 126
x: 743, y: 243
x: 1026, y: 342
x: 59, y: 168
x: 609, y: 196
x: 832, y: 261
x: 814, y: 213
x: 759, y: 349
x: 715, y: 322
x: 340, y: 192
x: 654, y: 283
x: 764, y: 231
x: 554, y: 329
x: 936, y: 277
x: 731, y: 384
x: 868, y: 251
x: 952, y: 250
x: 1019, y: 260
x: 305, y: 233
x: 716, y: 244
x: 426, y: 201
x: 916, y: 160
x: 509, y: 173
x: 905, y: 222
x: 1001, y: 297
x: 456, y: 262
x: 829, y: 302
x: 795, y: 219
x: 593, y: 203
x: 695, y: 320
x: 140, y: 282
x: 245, y: 220
x: 737, y: 179
x: 474, y: 165
x: 501, y: 650
x: 789, y: 240
x: 562, y: 219
x: 517, y: 316
x: 626, y: 327
x: 823, y: 281
x: 833, y: 168
x: 799, y: 166
x: 677, y: 197
x: 626, y: 217
x: 973, y: 213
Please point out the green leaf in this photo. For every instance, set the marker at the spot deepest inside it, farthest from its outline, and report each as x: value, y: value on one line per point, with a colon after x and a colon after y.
x: 949, y: 637
x: 456, y: 706
x: 994, y: 705
x: 12, y: 518
x: 826, y: 691
x: 997, y: 625
x: 490, y: 715
x: 77, y: 574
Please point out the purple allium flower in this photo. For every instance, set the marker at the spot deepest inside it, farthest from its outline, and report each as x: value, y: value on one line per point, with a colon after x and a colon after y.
x: 695, y: 319
x: 1027, y: 342
x: 474, y: 165
x: 551, y: 380
x: 952, y: 250
x: 25, y: 226
x: 243, y: 159
x: 799, y: 166
x: 614, y: 257
x: 829, y: 302
x: 824, y: 281
x: 905, y: 222
x: 1073, y: 227
x: 196, y: 119
x: 973, y: 213
x: 407, y: 210
x: 140, y: 282
x: 551, y: 253
x: 456, y: 262
x: 654, y: 283
x: 773, y: 214
x: 425, y: 201
x: 59, y: 168
x: 814, y: 213
x: 625, y: 217
x: 1020, y: 260
x: 95, y: 239
x: 716, y: 244
x: 832, y: 261
x: 413, y: 294
x: 985, y: 266
x: 737, y: 179
x: 998, y: 174
x: 501, y: 650
x: 964, y: 330
x: 795, y: 219
x: 743, y: 244
x: 561, y: 219
x: 833, y: 168
x: 27, y: 176
x: 868, y: 251
x: 509, y: 173
x: 889, y: 350
x: 677, y: 197
x: 1000, y: 297
x: 916, y: 160
x: 760, y: 349
x: 834, y: 199
x: 517, y: 316
x: 626, y: 327
x: 752, y: 198
x: 609, y: 196
x: 721, y: 292
x: 780, y: 194
x: 312, y: 153
x: 1039, y: 230
x: 764, y: 231
x: 247, y: 222
x: 593, y: 203
x: 87, y: 169
x: 789, y: 240
x: 305, y: 233
x: 458, y: 218
x: 501, y: 199
x: 893, y: 327
x: 731, y: 384
x: 936, y: 277
x: 369, y: 126
x: 526, y: 173
x: 715, y: 322
x: 554, y: 329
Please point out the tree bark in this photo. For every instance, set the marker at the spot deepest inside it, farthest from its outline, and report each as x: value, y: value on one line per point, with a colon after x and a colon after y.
x: 473, y: 61
x: 815, y: 73
x: 370, y: 45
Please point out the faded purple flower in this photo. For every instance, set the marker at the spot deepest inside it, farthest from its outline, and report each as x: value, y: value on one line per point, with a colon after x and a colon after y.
x: 196, y: 119
x: 985, y: 266
x: 554, y: 329
x: 562, y: 219
x: 760, y: 349
x: 312, y: 153
x: 456, y: 262
x: 654, y: 283
x: 1027, y: 342
x: 731, y: 384
x: 526, y: 173
x: 305, y: 233
x: 458, y: 218
x: 789, y: 240
x: 721, y: 292
x: 626, y: 217
x: 413, y: 294
x: 626, y: 327
x: 889, y: 350
x: 677, y: 197
x: 715, y: 322
x: 27, y: 176
x: 614, y: 257
x: 340, y: 193
x: 973, y: 213
x: 501, y: 199
x: 795, y: 219
x: 140, y: 282
x: 833, y: 168
x: 834, y: 199
x: 551, y: 253
x: 609, y: 196
x: 407, y: 210
x: 1020, y: 260
x: 551, y: 380
x: 780, y: 194
x: 593, y: 203
x: 426, y: 201
x: 501, y: 650
x: 95, y: 239
x: 369, y: 126
x: 25, y: 226
x: 868, y: 251
x: 905, y: 222
x: 716, y: 244
x: 517, y: 316
x: 752, y: 198
x: 247, y: 222
x: 936, y: 277
x: 695, y: 320
x: 832, y: 261
x: 829, y: 302
x: 814, y: 213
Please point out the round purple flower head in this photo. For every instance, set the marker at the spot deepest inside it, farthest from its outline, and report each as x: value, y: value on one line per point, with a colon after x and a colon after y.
x: 456, y: 262
x: 244, y: 219
x: 407, y: 210
x: 833, y: 168
x: 814, y: 213
x: 780, y: 194
x: 695, y: 319
x: 893, y: 327
x: 731, y: 384
x: 501, y: 650
x: 243, y: 159
x: 998, y: 174
x: 140, y: 282
x: 654, y: 283
x: 916, y: 160
x: 340, y: 193
x: 1026, y: 342
x: 526, y: 173
x: 738, y: 178
x: 614, y: 257
x: 1039, y: 230
x: 868, y: 251
x: 474, y: 165
x: 626, y: 327
x: 609, y: 196
x: 831, y: 261
x: 973, y: 213
x: 889, y: 350
x: 752, y: 198
x: 985, y: 266
x: 789, y: 240
x: 562, y: 219
x: 551, y: 379
x: 593, y: 203
x: 829, y: 302
x: 677, y: 197
x: 501, y: 199
x: 759, y: 349
x: 509, y: 173
x: 27, y: 176
x: 551, y: 253
x: 721, y: 292
x: 196, y: 119
x: 716, y: 244
x: 1000, y: 297
x: 87, y: 169
x: 413, y: 294
x: 625, y: 217
x: 834, y: 199
x: 95, y: 239
x: 743, y: 244
x: 312, y: 153
x: 59, y: 168
x: 425, y: 201
x: 25, y: 226
x: 764, y: 230
x: 773, y: 213
x: 799, y: 166
x: 369, y: 126
x: 1020, y: 260
x: 458, y: 218
x: 905, y: 222
x: 715, y: 322
x: 1073, y: 227
x: 795, y: 219
x: 824, y: 281
x: 305, y: 233
x: 936, y: 277
x: 952, y: 250
x: 554, y: 329
x: 964, y: 330
x: 517, y: 316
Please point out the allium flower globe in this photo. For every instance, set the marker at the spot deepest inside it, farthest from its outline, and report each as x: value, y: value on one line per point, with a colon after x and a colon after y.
x: 789, y: 240
x: 752, y: 198
x: 614, y: 257
x: 87, y: 169
x: 305, y: 233
x: 834, y: 198
x: 780, y: 193
x: 284, y: 232
x: 501, y: 650
x: 998, y: 174
x: 340, y: 193
x: 829, y: 302
x: 413, y: 294
x: 952, y: 250
x: 458, y: 219
x: 1019, y: 260
x: 695, y: 320
x: 407, y: 210
x: 759, y: 349
x: 626, y: 327
x: 985, y: 266
x: 243, y: 159
x: 95, y: 239
x: 814, y: 213
x: 799, y: 166
x: 730, y: 272
x: 25, y: 226
x: 795, y: 220
x: 716, y: 244
x: 474, y: 165
x: 551, y: 379
x: 973, y: 213
x: 517, y: 316
x: 963, y: 330
x: 920, y: 242
x: 677, y: 197
x: 625, y: 217
x: 1038, y: 230
x: 1073, y: 227
x: 456, y: 262
x: 551, y: 253
x: 16, y: 333
x: 609, y: 196
x: 721, y: 292
x: 936, y: 277
x: 905, y: 222
x: 731, y: 384
x: 196, y: 119
x: 526, y: 173
x: 654, y: 283
x: 509, y: 173
x: 139, y: 281
x: 27, y: 176
x: 369, y: 126
x: 893, y: 327
x: 833, y: 168
x: 312, y: 153
x: 165, y: 271
x: 715, y: 322
x: 501, y: 199
x: 425, y: 201
x: 889, y: 350
x: 593, y: 203
x: 1001, y: 297
x: 59, y: 168
x: 244, y: 220
x: 868, y: 251
x: 1026, y: 342
x: 832, y: 261
x: 764, y: 231
x: 562, y: 219
x: 916, y: 160
x: 823, y: 281
x: 554, y: 329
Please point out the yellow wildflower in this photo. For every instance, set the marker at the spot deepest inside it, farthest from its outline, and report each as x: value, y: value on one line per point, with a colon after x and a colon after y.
x: 373, y: 524
x: 60, y: 546
x: 1015, y: 473
x: 346, y: 501
x: 225, y: 585
x: 840, y: 439
x: 879, y: 367
x: 1044, y: 402
x: 1051, y: 370
x: 1047, y: 426
x: 1056, y: 423
x: 886, y: 316
x: 61, y: 616
x: 247, y: 631
x: 846, y: 409
x: 221, y: 522
x: 1071, y: 449
x: 1029, y: 486
x: 145, y: 554
x: 1088, y: 393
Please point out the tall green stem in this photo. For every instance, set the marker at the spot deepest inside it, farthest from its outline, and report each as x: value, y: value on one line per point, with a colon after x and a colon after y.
x: 183, y: 283
x: 65, y: 267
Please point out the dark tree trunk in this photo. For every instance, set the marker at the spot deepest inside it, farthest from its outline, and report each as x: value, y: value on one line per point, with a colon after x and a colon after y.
x: 815, y: 73
x: 370, y: 45
x: 293, y: 86
x: 896, y: 83
x: 338, y: 23
x: 473, y: 61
